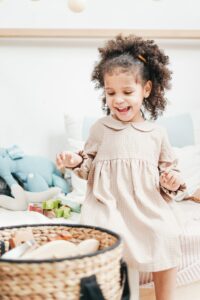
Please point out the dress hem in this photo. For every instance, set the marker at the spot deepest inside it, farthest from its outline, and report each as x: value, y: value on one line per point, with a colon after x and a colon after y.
x: 157, y: 267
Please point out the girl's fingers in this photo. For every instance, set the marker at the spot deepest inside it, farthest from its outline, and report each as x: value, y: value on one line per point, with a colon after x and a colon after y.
x: 58, y: 160
x: 174, y: 181
x: 171, y: 180
x: 69, y: 158
x: 63, y: 155
x: 168, y: 179
x: 65, y: 159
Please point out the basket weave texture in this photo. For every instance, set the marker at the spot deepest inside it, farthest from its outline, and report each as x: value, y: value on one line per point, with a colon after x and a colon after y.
x: 60, y: 278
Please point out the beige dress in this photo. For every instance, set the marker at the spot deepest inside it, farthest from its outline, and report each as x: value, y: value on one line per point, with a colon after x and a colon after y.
x: 122, y: 163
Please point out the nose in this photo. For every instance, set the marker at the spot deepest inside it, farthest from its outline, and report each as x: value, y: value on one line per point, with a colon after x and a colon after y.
x: 118, y: 99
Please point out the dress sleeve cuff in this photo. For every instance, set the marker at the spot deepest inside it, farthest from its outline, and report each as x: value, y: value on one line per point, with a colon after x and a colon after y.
x: 171, y: 195
x: 82, y: 170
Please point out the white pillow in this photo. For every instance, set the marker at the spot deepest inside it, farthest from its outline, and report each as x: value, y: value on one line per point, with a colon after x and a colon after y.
x: 196, y: 123
x: 74, y: 142
x: 75, y: 145
x: 189, y: 165
x: 73, y: 131
x: 76, y: 130
x: 79, y: 185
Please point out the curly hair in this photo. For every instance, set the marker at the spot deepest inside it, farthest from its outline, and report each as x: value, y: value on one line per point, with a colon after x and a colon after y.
x: 146, y: 59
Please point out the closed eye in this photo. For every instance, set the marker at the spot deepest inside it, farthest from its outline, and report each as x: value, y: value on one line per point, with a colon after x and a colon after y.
x: 128, y: 93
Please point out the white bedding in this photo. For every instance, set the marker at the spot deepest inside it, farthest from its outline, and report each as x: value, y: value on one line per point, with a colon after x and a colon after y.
x: 10, y: 218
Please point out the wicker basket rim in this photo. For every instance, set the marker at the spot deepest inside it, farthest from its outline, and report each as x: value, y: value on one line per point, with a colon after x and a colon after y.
x: 39, y: 261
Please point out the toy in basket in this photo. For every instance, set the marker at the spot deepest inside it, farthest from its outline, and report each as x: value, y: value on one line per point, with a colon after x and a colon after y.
x: 96, y: 276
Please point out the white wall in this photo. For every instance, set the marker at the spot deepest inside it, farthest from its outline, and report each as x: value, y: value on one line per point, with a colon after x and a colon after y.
x: 41, y: 79
x: 101, y: 14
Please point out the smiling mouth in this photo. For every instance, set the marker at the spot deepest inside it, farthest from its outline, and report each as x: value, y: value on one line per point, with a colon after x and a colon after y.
x: 121, y: 110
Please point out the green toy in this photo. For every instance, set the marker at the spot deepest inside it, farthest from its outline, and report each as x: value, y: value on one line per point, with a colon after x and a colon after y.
x: 56, y: 207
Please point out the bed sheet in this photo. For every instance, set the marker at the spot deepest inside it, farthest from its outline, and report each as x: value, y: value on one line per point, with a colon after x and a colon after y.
x: 12, y: 218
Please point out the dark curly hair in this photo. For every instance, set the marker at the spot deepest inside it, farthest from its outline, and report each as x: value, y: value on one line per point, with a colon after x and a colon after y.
x: 146, y: 60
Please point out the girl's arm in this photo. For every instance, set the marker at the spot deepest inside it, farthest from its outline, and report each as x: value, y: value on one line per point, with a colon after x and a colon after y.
x: 171, y: 182
x: 81, y: 162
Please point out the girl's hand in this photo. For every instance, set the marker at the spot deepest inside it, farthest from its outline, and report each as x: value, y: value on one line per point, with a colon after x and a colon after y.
x: 67, y: 159
x: 171, y: 180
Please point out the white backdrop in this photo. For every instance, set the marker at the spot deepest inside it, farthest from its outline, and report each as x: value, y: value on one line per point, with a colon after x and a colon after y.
x: 177, y: 14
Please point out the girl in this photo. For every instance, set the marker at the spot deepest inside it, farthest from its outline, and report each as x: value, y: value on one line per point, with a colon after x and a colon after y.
x: 128, y: 162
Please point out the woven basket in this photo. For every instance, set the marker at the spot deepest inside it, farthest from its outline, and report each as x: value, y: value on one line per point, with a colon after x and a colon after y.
x: 66, y: 278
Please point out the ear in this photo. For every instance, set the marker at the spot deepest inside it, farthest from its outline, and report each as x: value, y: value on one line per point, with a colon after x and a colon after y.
x: 147, y: 88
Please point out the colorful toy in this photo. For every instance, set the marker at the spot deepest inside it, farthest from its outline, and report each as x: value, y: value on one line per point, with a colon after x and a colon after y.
x: 56, y: 208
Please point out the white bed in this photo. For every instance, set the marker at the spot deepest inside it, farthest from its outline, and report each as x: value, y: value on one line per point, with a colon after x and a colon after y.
x: 12, y: 218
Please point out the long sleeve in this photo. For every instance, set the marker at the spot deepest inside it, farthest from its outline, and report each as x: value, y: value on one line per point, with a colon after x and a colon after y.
x: 167, y: 162
x: 89, y: 152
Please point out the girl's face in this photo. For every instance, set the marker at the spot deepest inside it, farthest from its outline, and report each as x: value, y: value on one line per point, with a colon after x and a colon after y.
x: 124, y: 95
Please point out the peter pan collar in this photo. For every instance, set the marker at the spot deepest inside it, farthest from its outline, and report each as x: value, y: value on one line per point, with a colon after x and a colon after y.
x: 112, y: 123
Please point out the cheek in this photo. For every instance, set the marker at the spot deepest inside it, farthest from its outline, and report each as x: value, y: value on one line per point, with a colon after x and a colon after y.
x: 109, y: 102
x: 135, y: 101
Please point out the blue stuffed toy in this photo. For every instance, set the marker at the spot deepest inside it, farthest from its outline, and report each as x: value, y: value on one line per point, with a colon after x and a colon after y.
x: 38, y: 177
x: 35, y: 173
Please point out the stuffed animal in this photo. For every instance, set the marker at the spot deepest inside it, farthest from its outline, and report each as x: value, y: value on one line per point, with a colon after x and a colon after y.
x: 35, y: 173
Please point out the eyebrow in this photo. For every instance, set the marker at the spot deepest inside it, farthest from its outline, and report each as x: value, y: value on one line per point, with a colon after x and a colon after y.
x: 124, y: 87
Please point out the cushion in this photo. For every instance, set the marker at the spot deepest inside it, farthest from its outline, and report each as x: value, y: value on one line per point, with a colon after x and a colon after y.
x: 196, y: 123
x: 189, y: 165
x: 77, y: 129
x: 179, y: 128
